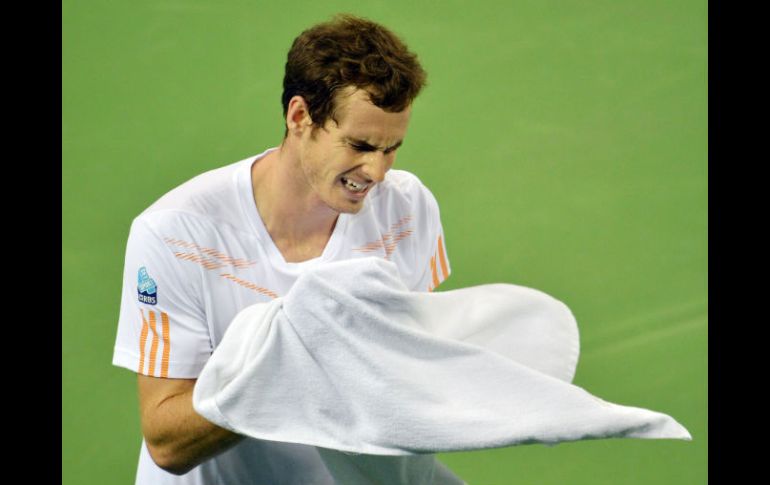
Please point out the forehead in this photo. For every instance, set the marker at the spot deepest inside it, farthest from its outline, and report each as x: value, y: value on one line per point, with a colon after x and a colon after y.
x: 358, y: 116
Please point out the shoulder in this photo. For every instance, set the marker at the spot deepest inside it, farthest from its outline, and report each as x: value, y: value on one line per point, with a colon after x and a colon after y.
x: 408, y: 223
x: 402, y: 190
x: 211, y: 199
x: 402, y: 204
x: 200, y: 194
x: 402, y: 182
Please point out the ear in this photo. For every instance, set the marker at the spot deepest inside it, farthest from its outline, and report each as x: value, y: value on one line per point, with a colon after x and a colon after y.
x: 297, y: 115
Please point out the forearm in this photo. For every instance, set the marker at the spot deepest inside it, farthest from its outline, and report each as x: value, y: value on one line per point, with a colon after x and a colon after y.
x: 177, y: 437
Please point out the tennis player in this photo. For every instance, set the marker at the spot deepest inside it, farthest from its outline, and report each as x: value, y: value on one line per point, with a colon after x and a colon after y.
x: 242, y: 234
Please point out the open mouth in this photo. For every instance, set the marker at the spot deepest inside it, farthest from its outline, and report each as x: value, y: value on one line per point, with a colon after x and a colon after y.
x: 355, y: 187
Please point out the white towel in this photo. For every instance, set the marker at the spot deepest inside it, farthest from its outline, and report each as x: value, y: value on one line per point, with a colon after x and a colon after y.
x: 350, y: 360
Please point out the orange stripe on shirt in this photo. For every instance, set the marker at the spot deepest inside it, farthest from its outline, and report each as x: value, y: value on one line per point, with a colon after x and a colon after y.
x: 249, y: 285
x: 442, y: 259
x: 436, y: 281
x: 166, y: 345
x: 154, y: 346
x: 142, y: 342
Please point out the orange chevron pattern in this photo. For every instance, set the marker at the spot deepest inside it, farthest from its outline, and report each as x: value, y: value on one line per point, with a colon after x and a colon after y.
x: 212, y: 259
x: 249, y: 285
x: 203, y: 261
x: 389, y: 241
x: 211, y: 252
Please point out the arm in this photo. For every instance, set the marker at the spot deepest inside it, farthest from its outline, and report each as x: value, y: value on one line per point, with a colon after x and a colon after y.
x: 431, y: 261
x: 177, y: 437
x: 163, y: 336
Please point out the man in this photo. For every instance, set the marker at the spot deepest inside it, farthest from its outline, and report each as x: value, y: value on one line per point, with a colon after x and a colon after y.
x: 243, y: 233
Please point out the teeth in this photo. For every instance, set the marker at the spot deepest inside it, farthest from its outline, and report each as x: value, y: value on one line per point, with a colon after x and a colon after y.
x: 355, y: 187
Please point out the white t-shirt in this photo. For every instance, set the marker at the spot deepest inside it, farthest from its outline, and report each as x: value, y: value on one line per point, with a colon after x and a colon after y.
x: 201, y: 253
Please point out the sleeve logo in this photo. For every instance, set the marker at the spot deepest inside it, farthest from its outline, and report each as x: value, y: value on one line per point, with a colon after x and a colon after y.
x: 148, y: 291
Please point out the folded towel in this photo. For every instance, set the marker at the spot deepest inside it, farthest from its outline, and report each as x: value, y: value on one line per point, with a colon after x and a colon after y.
x: 351, y: 360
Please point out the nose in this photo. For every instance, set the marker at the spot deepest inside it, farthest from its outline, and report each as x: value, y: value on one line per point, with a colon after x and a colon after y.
x: 376, y: 164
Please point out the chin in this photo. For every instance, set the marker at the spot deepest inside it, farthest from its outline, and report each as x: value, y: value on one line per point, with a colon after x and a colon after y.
x: 352, y: 208
x: 348, y: 207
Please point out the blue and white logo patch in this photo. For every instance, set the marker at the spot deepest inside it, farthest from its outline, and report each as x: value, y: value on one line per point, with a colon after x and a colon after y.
x: 148, y: 292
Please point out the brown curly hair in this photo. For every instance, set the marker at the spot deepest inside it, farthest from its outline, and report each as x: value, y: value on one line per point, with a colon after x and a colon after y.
x: 350, y: 51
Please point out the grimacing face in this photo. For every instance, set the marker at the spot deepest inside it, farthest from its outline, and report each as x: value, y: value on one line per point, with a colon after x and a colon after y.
x: 342, y: 162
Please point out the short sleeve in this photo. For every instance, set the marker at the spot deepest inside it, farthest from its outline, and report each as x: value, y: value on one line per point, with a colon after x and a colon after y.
x: 162, y: 329
x: 432, y: 261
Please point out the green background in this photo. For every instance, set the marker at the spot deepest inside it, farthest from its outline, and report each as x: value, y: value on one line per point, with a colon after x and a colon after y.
x: 566, y: 142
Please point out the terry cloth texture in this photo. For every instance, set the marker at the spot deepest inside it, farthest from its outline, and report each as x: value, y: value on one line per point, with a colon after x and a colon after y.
x: 351, y: 361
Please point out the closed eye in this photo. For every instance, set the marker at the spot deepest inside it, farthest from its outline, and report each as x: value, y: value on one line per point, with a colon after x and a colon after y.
x: 363, y: 148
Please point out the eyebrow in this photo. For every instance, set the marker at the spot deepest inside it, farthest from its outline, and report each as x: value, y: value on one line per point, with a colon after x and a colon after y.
x: 366, y: 145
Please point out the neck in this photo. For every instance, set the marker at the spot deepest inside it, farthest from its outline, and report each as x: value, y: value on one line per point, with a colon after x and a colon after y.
x: 299, y: 223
